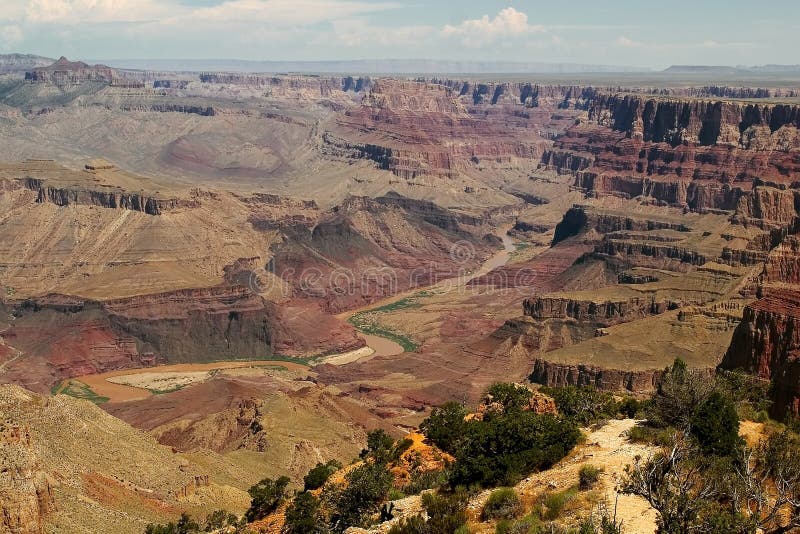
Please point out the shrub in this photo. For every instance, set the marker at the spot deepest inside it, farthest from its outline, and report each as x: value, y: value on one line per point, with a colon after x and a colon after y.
x: 715, y: 426
x: 527, y: 525
x: 424, y: 480
x: 219, y: 519
x: 503, y: 503
x: 511, y: 396
x: 584, y: 404
x: 266, y: 496
x: 629, y: 407
x: 446, y: 512
x: 445, y: 426
x: 505, y: 447
x: 679, y: 393
x: 653, y: 436
x: 303, y: 516
x: 366, y: 487
x: 317, y: 476
x: 554, y: 503
x: 185, y: 525
x: 379, y: 445
x: 588, y: 475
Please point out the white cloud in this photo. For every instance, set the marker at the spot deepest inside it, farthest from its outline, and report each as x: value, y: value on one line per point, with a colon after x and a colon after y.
x: 359, y: 32
x: 508, y: 23
x: 288, y: 12
x: 95, y: 11
x: 628, y: 43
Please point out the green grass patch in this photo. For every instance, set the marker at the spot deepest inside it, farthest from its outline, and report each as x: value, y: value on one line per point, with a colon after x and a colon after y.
x: 79, y: 390
x: 367, y: 321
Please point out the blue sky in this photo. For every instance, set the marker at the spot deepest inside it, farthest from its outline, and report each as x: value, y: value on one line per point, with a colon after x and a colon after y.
x: 623, y: 32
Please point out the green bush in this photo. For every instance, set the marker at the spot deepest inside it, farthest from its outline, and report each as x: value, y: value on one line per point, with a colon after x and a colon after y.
x: 511, y: 396
x: 317, y: 476
x: 425, y: 480
x: 303, y: 516
x: 503, y: 503
x: 503, y: 448
x: 446, y: 512
x: 365, y: 489
x: 679, y: 392
x: 584, y: 405
x: 715, y: 426
x: 266, y: 496
x: 643, y: 433
x: 445, y: 426
x: 530, y: 524
x: 588, y: 475
x: 630, y: 407
x: 185, y: 525
x: 554, y: 503
x: 219, y: 519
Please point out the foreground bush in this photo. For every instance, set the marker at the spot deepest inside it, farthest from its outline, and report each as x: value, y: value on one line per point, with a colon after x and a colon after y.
x: 266, y: 496
x: 318, y: 475
x: 365, y: 489
x: 446, y: 515
x: 503, y: 503
x: 588, y: 477
x: 504, y: 446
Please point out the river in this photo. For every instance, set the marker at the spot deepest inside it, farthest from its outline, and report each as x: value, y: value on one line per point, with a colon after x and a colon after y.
x: 386, y: 347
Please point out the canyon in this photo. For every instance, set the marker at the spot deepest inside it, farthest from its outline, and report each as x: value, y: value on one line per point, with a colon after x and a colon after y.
x: 341, y: 253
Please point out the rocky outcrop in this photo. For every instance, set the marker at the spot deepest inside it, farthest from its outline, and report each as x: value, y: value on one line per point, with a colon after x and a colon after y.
x: 767, y: 343
x: 605, y: 313
x: 65, y: 196
x: 444, y: 128
x: 65, y: 73
x: 26, y: 492
x: 783, y: 262
x: 579, y: 219
x: 704, y: 155
x: 62, y: 337
x: 553, y: 374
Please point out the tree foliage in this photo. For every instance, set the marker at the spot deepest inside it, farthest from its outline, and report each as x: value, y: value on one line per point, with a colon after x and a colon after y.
x: 303, y: 516
x: 266, y: 496
x: 318, y: 475
x: 584, y: 404
x: 365, y: 489
x: 715, y: 426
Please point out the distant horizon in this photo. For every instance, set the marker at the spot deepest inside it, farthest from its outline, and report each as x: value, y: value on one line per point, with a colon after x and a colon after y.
x: 444, y: 66
x: 684, y: 32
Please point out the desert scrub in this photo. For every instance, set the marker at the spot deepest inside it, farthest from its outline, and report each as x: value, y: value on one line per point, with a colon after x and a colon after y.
x: 530, y: 524
x: 554, y: 503
x: 588, y: 476
x: 503, y: 503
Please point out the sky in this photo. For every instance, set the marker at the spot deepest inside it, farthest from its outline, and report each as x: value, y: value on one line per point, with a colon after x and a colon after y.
x: 640, y: 33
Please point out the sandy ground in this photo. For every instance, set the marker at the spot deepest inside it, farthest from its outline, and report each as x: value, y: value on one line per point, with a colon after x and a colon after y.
x: 117, y: 392
x: 349, y: 357
x: 161, y: 381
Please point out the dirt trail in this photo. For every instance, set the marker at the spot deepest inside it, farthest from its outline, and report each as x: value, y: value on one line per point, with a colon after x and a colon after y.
x: 610, y: 449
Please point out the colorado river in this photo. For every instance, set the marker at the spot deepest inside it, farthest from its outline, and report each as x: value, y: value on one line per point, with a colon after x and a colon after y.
x: 386, y: 347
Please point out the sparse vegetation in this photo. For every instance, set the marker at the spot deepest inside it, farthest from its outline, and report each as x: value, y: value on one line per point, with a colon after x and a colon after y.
x: 266, y: 496
x: 503, y: 503
x: 584, y: 404
x: 303, y: 516
x: 588, y: 476
x: 318, y: 475
x: 79, y: 390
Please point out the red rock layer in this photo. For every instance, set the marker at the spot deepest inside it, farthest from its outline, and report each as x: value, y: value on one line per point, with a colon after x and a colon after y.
x: 416, y: 128
x: 767, y: 344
